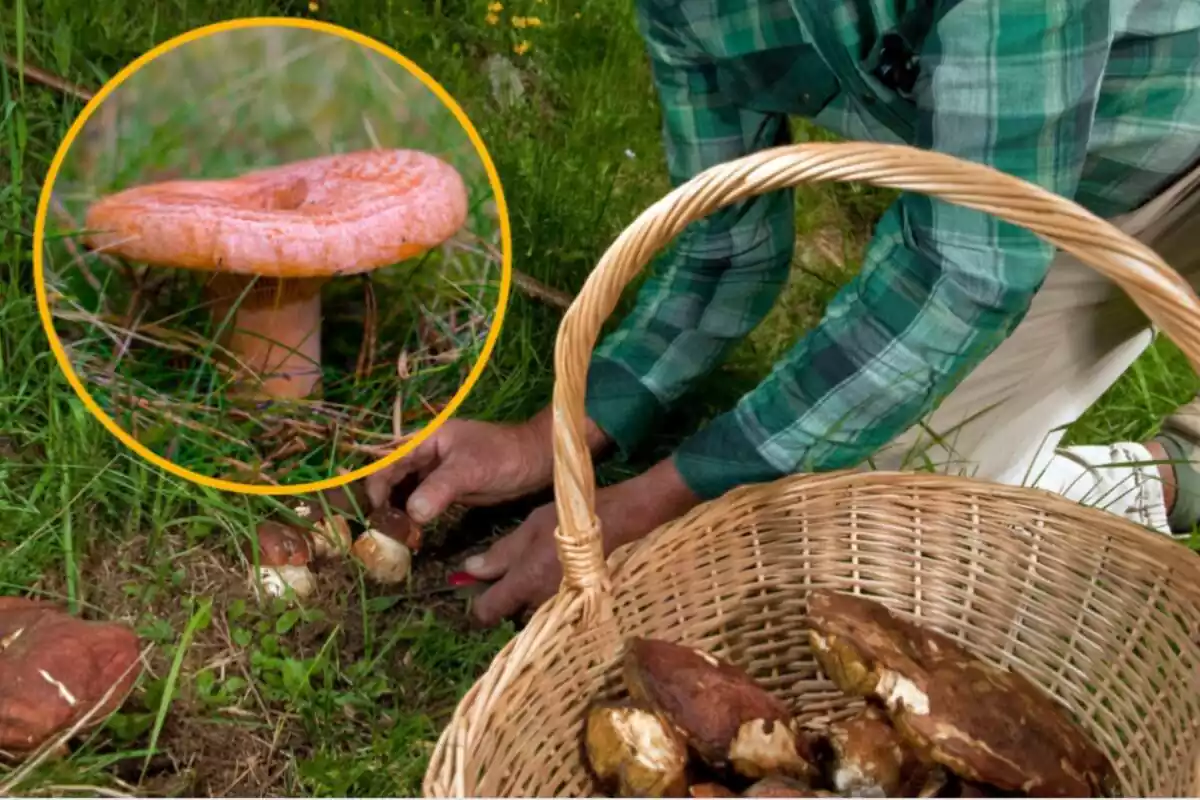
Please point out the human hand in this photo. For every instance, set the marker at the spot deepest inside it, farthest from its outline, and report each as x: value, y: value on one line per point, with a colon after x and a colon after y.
x: 474, y: 463
x: 525, y: 564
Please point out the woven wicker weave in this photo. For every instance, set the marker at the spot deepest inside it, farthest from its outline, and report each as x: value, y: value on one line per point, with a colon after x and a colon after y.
x: 1100, y: 612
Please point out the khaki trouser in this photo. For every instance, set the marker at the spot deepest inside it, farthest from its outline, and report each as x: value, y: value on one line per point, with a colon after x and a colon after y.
x: 1005, y: 421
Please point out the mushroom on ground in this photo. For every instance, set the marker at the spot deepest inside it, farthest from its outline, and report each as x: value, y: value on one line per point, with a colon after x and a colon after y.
x: 284, y: 553
x: 272, y: 237
x: 55, y: 669
x: 386, y: 558
x: 326, y: 517
x: 398, y: 525
x: 346, y: 501
x: 729, y: 720
x: 331, y: 537
x: 869, y: 759
x: 986, y: 724
x: 634, y: 752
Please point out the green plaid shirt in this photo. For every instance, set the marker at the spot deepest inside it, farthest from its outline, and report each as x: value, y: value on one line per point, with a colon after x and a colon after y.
x: 1098, y: 100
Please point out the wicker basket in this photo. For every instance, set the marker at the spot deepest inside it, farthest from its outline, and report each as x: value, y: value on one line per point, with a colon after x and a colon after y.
x: 1102, y: 613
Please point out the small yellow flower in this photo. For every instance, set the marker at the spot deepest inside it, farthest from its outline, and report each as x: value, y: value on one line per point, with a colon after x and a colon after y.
x: 578, y: 15
x: 518, y: 22
x: 491, y: 19
x: 495, y: 8
x: 521, y: 48
x: 313, y: 7
x: 533, y: 22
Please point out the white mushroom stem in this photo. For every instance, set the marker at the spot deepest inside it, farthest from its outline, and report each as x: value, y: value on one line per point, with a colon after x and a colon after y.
x: 385, y: 559
x: 277, y: 580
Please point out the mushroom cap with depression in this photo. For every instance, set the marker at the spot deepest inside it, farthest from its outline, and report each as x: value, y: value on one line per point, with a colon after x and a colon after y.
x: 985, y: 723
x: 321, y: 217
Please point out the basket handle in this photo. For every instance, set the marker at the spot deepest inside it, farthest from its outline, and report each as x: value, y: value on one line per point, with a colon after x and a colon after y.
x: 1158, y: 290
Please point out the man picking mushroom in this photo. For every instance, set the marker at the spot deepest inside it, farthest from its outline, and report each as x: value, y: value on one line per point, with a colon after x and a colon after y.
x: 973, y: 328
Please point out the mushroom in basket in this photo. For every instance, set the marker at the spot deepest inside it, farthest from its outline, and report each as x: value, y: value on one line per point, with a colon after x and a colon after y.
x: 635, y: 752
x: 868, y: 758
x: 272, y: 237
x: 985, y: 724
x: 776, y: 786
x: 728, y: 719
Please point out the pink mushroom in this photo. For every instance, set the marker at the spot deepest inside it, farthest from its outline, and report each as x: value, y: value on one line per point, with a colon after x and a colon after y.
x: 275, y: 235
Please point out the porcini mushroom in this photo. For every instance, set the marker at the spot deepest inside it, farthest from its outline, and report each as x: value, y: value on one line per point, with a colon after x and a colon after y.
x: 331, y: 537
x: 634, y: 752
x: 396, y: 524
x: 728, y: 719
x: 986, y: 724
x: 869, y: 758
x: 778, y: 786
x: 284, y: 553
x: 55, y: 669
x: 272, y: 237
x: 384, y: 556
x: 326, y: 518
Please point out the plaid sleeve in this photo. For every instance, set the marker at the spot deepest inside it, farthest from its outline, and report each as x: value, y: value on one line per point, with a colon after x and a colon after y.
x: 941, y: 286
x: 723, y: 273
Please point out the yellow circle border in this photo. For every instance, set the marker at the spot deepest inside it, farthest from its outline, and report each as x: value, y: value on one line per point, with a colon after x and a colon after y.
x: 39, y: 275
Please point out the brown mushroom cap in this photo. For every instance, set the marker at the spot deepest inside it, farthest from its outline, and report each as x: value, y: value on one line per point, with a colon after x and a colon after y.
x: 727, y: 717
x: 710, y: 789
x: 984, y: 723
x: 281, y: 545
x: 348, y: 501
x: 396, y: 524
x: 54, y: 668
x: 322, y: 217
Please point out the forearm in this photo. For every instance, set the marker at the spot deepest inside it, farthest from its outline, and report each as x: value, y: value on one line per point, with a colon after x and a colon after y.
x: 702, y: 298
x: 721, y: 275
x: 891, y: 345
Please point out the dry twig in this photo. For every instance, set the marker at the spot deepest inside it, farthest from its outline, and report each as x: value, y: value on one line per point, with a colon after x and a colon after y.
x: 47, y: 79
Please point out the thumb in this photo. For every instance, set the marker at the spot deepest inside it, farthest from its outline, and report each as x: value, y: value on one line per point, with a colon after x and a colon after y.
x: 499, y: 558
x: 434, y: 494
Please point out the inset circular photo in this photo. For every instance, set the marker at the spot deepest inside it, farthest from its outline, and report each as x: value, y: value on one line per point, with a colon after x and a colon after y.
x: 274, y: 255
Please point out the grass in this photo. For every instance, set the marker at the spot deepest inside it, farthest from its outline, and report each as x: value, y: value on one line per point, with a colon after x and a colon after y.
x: 347, y: 696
